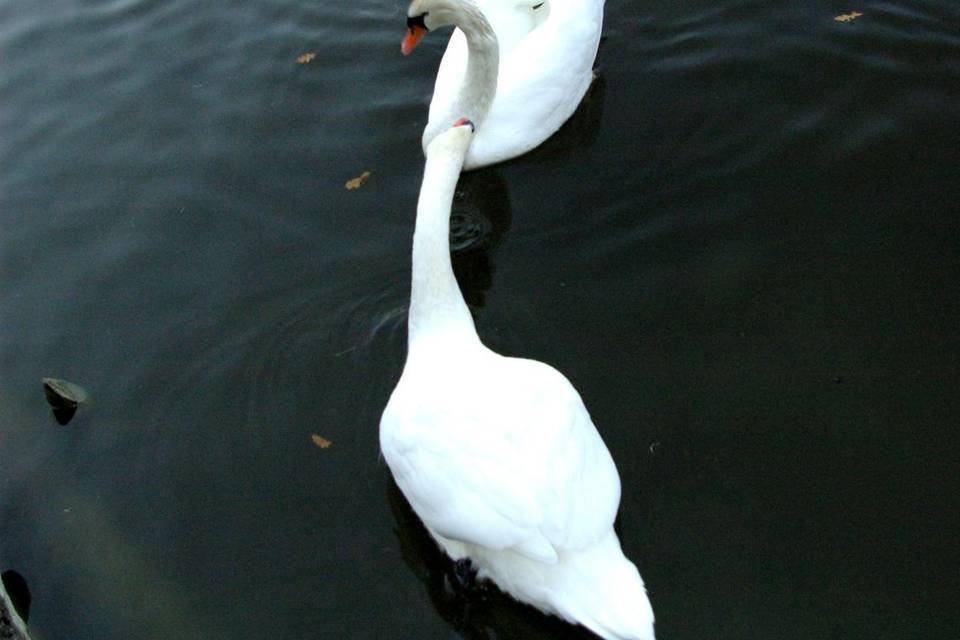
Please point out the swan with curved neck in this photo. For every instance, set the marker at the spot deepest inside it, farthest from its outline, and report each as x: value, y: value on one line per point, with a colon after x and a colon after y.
x: 498, y: 456
x: 517, y: 68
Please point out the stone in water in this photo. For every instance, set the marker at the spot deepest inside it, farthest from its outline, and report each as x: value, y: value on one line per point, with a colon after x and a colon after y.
x: 63, y: 397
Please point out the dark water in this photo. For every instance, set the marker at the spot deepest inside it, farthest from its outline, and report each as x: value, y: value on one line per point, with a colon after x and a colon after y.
x: 744, y: 250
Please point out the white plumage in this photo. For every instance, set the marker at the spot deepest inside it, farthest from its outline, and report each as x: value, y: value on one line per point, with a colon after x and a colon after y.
x: 517, y: 71
x: 498, y: 456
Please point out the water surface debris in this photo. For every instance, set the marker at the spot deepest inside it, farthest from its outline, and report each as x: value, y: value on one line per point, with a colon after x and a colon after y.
x: 847, y: 17
x: 304, y: 58
x: 320, y: 441
x: 355, y: 183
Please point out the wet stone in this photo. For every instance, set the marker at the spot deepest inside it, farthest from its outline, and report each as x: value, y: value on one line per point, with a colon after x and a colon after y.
x: 64, y: 398
x: 12, y: 626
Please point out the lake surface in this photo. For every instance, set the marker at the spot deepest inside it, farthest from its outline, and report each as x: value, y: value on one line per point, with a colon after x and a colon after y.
x: 743, y: 250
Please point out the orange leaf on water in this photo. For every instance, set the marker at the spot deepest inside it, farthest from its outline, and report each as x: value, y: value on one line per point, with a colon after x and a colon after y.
x: 847, y: 17
x: 354, y: 183
x: 320, y: 441
x: 304, y: 58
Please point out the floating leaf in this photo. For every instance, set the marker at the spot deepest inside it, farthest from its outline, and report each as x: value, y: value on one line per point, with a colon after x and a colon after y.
x: 304, y: 58
x: 847, y: 17
x: 320, y: 441
x: 354, y: 183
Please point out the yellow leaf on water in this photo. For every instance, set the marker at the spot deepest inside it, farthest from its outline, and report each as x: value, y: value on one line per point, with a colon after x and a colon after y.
x: 847, y: 17
x: 354, y: 183
x: 304, y: 58
x: 320, y: 441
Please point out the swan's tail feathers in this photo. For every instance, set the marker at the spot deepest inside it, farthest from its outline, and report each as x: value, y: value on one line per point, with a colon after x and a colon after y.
x: 610, y: 598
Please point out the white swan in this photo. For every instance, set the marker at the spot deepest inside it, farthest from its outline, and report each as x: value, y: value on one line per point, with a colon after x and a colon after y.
x: 520, y: 92
x: 498, y: 456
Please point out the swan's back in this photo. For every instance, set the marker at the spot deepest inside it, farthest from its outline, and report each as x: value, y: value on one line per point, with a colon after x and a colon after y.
x: 506, y: 446
x: 500, y: 460
x: 546, y: 67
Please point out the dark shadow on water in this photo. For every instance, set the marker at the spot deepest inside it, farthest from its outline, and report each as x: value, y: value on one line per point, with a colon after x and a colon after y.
x: 482, y: 213
x: 480, y: 216
x: 583, y: 127
x: 481, y: 613
x: 63, y: 415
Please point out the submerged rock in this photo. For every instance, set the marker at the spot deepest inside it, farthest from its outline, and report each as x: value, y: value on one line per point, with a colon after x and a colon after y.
x: 64, y: 397
x: 12, y: 626
x: 18, y: 592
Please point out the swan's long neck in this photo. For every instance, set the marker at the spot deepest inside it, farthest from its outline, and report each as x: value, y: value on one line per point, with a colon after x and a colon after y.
x: 437, y: 308
x: 483, y: 64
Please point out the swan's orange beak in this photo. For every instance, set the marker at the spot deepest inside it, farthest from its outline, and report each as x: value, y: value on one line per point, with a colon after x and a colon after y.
x: 414, y: 35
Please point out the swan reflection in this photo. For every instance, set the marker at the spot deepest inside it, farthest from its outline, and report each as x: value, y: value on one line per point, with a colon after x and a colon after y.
x: 479, y: 219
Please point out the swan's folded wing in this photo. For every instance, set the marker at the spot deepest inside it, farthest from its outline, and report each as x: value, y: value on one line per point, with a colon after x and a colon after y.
x: 465, y: 490
x: 526, y: 472
x: 584, y: 486
x: 577, y: 485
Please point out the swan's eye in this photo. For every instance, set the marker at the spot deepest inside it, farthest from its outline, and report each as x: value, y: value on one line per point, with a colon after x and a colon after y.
x: 418, y: 21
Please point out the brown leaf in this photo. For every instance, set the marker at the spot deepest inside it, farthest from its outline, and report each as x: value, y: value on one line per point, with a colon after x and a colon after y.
x: 847, y: 17
x: 320, y: 441
x: 354, y: 183
x: 304, y: 58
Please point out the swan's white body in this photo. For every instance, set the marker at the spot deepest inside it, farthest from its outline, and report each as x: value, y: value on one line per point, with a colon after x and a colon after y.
x: 498, y: 456
x: 545, y: 67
